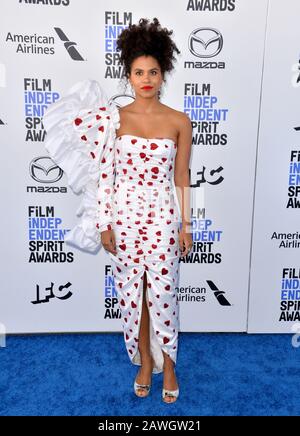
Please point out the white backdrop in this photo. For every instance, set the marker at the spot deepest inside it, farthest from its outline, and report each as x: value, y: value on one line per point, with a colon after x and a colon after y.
x: 275, y: 270
x: 48, y: 286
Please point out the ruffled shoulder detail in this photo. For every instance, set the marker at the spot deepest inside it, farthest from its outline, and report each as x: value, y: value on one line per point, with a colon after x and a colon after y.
x: 81, y: 126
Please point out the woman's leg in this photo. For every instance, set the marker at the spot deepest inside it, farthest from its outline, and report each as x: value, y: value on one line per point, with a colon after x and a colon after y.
x: 145, y: 372
x: 144, y: 337
x: 170, y: 381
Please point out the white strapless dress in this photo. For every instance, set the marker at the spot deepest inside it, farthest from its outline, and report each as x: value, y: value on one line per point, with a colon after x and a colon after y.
x: 127, y: 185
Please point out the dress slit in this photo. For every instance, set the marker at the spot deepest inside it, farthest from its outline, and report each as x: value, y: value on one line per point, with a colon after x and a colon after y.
x: 156, y: 347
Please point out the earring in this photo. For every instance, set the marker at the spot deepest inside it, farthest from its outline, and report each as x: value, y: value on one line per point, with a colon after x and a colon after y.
x: 132, y: 90
x: 160, y: 91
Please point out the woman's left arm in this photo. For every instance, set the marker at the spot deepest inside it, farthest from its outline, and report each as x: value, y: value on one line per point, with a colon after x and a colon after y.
x: 182, y: 180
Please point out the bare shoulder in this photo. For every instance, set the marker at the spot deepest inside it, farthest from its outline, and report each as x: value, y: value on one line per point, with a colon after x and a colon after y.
x: 180, y: 118
x: 184, y: 120
x: 184, y: 125
x: 185, y: 132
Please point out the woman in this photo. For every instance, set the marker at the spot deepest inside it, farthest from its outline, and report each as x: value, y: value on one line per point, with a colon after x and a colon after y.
x: 147, y: 54
x: 134, y: 152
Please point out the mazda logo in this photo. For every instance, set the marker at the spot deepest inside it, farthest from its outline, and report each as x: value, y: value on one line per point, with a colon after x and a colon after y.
x: 205, y: 42
x: 43, y: 170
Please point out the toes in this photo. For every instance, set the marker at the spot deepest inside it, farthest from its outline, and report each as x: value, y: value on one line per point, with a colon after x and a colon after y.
x: 169, y: 399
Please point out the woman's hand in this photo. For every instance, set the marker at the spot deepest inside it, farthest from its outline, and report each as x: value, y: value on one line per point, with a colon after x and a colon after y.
x: 108, y: 241
x: 185, y: 242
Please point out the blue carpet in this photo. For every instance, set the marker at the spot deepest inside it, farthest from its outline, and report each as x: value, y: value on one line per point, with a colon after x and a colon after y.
x: 91, y: 374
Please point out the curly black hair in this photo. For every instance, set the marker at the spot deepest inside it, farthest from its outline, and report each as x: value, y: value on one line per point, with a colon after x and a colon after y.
x: 146, y: 39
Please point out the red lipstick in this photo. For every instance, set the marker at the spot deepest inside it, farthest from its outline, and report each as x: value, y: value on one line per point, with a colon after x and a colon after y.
x: 147, y: 87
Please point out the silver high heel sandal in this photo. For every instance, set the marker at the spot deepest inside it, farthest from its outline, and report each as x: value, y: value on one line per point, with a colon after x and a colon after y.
x: 146, y: 388
x: 169, y: 393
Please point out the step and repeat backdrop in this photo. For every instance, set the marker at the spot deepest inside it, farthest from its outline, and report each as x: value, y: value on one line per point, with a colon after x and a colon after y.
x: 274, y: 298
x: 238, y: 78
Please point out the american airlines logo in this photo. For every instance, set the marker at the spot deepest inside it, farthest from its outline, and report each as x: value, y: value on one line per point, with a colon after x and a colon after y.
x: 69, y: 45
x: 220, y: 295
x: 37, y: 44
